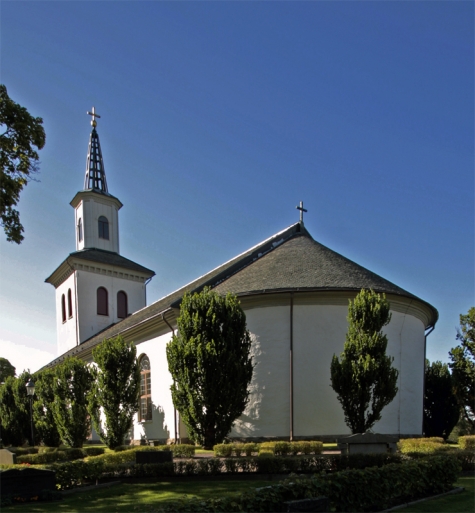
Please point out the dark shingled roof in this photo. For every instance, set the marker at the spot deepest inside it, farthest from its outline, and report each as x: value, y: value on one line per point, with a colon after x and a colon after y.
x: 288, y: 261
x: 102, y: 256
x: 304, y: 264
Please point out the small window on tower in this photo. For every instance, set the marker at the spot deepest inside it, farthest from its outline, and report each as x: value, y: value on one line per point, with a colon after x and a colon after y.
x: 103, y: 228
x: 121, y: 304
x: 63, y: 308
x: 80, y: 230
x: 70, y: 304
x: 102, y: 301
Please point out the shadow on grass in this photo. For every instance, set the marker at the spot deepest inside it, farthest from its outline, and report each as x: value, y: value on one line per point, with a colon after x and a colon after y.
x: 129, y: 497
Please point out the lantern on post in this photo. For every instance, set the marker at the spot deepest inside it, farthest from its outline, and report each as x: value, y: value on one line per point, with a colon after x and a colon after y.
x: 30, y: 390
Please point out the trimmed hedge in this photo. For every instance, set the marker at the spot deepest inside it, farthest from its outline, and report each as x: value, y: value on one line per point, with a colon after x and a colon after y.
x: 371, y: 489
x: 277, y: 448
x: 79, y: 472
x: 467, y: 442
x: 52, y: 454
x: 425, y: 445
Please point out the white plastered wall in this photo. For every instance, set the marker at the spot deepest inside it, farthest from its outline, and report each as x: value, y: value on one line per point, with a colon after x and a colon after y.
x: 318, y: 333
x: 268, y: 410
x: 87, y: 283
x: 66, y: 331
x: 89, y: 210
x: 162, y: 425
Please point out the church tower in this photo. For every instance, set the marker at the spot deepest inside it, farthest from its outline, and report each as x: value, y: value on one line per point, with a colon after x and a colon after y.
x: 95, y: 286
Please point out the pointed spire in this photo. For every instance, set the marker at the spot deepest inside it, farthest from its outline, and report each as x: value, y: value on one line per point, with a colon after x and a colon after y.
x: 95, y: 173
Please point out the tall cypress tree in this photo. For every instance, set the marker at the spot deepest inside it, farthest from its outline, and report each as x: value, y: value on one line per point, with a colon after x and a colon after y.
x: 115, y: 390
x: 211, y: 365
x: 45, y: 424
x: 363, y: 377
x: 72, y: 384
x: 15, y: 410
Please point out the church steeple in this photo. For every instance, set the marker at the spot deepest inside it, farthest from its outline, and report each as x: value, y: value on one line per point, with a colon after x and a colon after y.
x: 96, y: 211
x: 95, y: 173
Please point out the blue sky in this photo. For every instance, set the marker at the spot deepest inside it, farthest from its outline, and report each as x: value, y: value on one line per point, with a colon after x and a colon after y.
x: 217, y: 118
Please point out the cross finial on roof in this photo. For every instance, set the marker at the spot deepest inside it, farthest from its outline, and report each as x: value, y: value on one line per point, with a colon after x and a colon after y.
x: 302, y: 210
x: 94, y: 116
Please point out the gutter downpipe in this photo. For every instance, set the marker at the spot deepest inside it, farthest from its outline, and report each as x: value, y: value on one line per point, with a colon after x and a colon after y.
x: 291, y: 361
x: 174, y: 409
x: 431, y: 329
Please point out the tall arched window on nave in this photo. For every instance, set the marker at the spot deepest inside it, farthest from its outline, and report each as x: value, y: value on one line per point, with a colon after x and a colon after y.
x: 145, y: 412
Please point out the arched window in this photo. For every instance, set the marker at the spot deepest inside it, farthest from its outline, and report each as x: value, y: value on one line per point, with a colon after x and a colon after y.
x: 63, y: 308
x: 70, y: 304
x: 103, y: 228
x: 102, y: 302
x: 145, y: 412
x: 122, y: 309
x: 80, y: 230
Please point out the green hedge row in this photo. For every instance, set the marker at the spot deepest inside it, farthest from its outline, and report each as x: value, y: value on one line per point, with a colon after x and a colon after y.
x: 51, y: 455
x: 276, y: 448
x: 79, y: 472
x: 426, y: 445
x: 371, y: 489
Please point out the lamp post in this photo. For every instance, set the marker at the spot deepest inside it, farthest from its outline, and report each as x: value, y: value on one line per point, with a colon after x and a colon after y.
x: 30, y: 390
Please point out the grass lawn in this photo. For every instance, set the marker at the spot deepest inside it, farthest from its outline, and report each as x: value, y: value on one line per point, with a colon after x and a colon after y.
x: 137, y: 496
x: 457, y: 503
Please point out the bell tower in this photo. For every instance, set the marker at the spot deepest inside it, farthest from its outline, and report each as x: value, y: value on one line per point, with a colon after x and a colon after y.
x: 96, y: 211
x: 95, y: 286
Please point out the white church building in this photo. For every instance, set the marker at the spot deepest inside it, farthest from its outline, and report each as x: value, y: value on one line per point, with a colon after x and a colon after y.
x: 295, y: 294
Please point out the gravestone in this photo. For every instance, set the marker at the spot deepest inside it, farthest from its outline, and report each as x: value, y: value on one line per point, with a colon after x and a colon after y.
x: 153, y: 456
x: 7, y: 457
x: 367, y: 443
x: 314, y: 504
x: 26, y: 482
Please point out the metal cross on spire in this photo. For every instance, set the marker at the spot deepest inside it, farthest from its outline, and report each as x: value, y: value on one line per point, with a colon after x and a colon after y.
x: 94, y: 116
x: 302, y: 210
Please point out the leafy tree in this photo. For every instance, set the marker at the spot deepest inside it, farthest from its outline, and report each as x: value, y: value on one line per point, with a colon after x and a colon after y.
x: 43, y: 417
x: 6, y: 369
x: 71, y: 387
x: 363, y: 378
x: 462, y: 365
x: 441, y: 408
x: 18, y: 159
x: 15, y: 410
x: 115, y: 389
x: 210, y: 362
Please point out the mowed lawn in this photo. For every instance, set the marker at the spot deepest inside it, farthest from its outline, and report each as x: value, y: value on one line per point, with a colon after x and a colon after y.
x: 129, y: 497
x: 146, y: 496
x: 456, y: 503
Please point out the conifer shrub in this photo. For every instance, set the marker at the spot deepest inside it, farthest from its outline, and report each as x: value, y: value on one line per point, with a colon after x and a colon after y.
x: 93, y: 451
x: 180, y: 450
x: 467, y: 442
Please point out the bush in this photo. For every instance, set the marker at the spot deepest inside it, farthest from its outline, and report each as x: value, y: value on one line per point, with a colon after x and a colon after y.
x: 250, y: 449
x: 267, y: 447
x: 223, y: 450
x: 43, y: 458
x: 425, y: 445
x: 93, y: 451
x: 181, y: 451
x: 347, y: 491
x: 467, y: 442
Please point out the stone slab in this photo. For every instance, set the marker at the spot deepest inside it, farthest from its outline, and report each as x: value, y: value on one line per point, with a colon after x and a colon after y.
x: 27, y: 482
x: 153, y: 456
x: 7, y: 457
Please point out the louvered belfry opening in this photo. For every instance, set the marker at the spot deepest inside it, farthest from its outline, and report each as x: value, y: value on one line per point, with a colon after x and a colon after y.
x: 95, y: 174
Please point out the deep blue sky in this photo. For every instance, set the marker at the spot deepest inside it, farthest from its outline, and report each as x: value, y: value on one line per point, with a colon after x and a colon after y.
x: 219, y: 117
